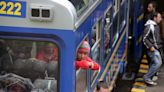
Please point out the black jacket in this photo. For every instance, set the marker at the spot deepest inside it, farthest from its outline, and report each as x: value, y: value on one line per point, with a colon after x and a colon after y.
x: 151, y: 35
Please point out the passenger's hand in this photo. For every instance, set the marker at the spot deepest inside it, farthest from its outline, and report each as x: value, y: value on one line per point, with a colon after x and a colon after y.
x: 152, y: 49
x: 82, y: 64
x: 91, y: 64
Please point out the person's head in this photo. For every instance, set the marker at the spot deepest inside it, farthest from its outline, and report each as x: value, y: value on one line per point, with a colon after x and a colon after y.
x: 49, y: 48
x: 156, y: 16
x: 83, y: 51
x: 102, y: 87
x: 152, y: 6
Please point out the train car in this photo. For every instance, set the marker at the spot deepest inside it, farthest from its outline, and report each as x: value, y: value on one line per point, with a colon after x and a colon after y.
x: 136, y: 27
x: 31, y: 29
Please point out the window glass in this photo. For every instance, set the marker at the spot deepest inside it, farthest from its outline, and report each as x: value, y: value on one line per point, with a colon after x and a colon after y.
x: 95, y: 49
x: 108, y: 18
x: 116, y: 6
x: 122, y: 15
x: 24, y: 63
x: 107, y: 28
x: 115, y: 30
x: 96, y: 39
x: 81, y: 5
x: 107, y: 48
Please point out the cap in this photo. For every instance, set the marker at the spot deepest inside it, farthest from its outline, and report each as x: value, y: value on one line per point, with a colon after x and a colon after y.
x: 85, y: 46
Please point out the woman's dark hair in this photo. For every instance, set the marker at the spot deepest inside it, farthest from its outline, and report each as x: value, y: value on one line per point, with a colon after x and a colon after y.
x: 101, y: 84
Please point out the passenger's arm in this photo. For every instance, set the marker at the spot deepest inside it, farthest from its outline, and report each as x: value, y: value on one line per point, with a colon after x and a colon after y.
x: 82, y: 64
x: 146, y: 40
x: 94, y: 65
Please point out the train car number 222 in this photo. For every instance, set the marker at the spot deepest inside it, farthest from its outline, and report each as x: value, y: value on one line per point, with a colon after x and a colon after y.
x: 13, y: 8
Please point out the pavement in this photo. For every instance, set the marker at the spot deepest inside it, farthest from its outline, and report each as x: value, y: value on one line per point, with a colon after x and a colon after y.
x: 160, y: 83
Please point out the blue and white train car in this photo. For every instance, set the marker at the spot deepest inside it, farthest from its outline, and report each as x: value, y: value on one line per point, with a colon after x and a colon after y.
x: 28, y: 26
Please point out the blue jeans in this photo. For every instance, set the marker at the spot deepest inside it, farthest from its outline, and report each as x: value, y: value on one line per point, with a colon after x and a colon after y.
x: 156, y: 62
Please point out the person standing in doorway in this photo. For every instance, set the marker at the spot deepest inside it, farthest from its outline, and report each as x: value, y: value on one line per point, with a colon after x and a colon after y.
x: 151, y: 8
x: 83, y: 60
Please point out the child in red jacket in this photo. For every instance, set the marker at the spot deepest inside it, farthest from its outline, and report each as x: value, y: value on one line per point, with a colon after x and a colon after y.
x: 83, y: 60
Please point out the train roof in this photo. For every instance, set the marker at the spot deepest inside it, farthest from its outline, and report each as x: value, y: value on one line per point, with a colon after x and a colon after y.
x: 53, y: 14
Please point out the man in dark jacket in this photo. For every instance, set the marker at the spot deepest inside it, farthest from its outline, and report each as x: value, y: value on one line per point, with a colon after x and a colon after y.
x: 153, y: 42
x: 150, y: 9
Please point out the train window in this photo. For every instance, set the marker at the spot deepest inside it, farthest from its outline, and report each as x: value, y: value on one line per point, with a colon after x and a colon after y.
x: 33, y: 63
x: 96, y: 38
x: 81, y: 5
x: 107, y: 27
x: 108, y: 17
x: 107, y: 48
x: 96, y: 42
x: 116, y: 6
x: 122, y: 15
x: 115, y: 30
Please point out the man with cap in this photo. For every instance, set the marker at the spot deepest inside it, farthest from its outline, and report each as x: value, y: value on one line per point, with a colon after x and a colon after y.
x: 83, y: 60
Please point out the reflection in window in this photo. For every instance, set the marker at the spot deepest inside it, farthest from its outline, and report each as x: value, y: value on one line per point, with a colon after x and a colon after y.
x: 96, y: 42
x: 122, y: 15
x: 107, y: 44
x: 94, y: 35
x: 20, y: 66
x: 108, y: 18
x: 81, y: 5
x: 115, y: 30
x: 107, y: 27
x: 96, y: 38
x: 116, y: 6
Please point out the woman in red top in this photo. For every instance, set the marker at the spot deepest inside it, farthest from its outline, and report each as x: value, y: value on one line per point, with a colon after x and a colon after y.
x: 49, y: 53
x: 83, y: 60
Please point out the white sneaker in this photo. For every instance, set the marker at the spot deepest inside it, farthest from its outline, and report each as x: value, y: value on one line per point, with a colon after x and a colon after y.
x: 150, y: 82
x: 155, y: 78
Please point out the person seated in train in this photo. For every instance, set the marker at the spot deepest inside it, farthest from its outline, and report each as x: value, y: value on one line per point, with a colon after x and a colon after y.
x: 49, y: 53
x: 19, y: 49
x: 102, y: 87
x: 83, y: 60
x: 3, y: 49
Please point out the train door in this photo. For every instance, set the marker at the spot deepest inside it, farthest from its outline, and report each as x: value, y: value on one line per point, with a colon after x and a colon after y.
x: 130, y: 65
x: 107, y: 33
x: 85, y: 79
x: 135, y: 34
x: 96, y: 49
x: 138, y: 30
